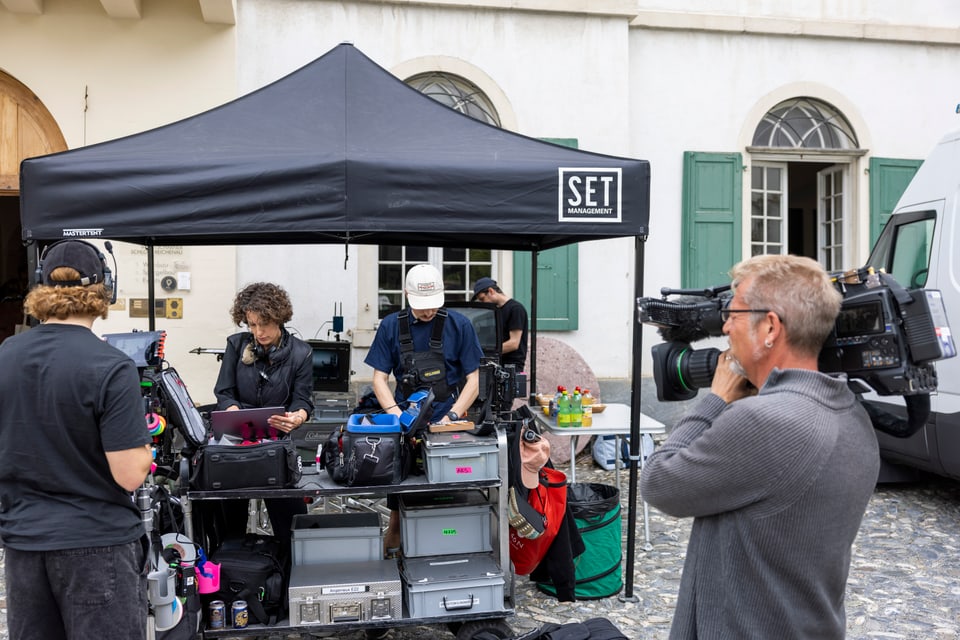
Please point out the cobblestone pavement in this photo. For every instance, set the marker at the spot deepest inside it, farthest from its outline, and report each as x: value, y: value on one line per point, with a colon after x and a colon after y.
x: 904, y: 581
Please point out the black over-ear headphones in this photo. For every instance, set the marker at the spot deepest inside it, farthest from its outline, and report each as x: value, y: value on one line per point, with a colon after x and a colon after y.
x: 262, y: 354
x: 108, y: 281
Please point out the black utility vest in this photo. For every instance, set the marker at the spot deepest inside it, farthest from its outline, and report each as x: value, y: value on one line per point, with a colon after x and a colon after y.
x: 423, y: 369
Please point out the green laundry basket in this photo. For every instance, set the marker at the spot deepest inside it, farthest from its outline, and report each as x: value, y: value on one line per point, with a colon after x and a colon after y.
x: 596, y: 510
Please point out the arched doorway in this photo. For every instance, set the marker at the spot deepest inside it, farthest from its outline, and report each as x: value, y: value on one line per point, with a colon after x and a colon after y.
x: 26, y: 129
x: 801, y: 183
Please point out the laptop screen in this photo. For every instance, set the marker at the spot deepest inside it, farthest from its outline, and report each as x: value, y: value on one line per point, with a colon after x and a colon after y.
x: 249, y: 424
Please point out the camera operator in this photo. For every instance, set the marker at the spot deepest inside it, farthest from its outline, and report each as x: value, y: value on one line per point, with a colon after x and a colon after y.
x: 776, y: 466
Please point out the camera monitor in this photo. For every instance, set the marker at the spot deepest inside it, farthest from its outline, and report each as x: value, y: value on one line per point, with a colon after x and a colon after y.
x: 331, y: 366
x: 485, y: 318
x: 145, y: 348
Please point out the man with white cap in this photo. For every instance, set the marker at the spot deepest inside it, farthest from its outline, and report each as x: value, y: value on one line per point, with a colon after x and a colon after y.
x: 425, y: 347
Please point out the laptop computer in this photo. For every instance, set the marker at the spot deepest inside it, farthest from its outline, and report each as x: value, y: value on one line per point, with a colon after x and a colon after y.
x: 247, y: 424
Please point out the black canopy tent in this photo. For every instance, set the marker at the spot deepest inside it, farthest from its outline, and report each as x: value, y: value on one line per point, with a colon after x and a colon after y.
x: 339, y: 152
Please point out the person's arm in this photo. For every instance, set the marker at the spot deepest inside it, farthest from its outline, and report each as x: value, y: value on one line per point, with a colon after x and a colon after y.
x: 123, y: 432
x: 469, y: 393
x: 226, y: 387
x: 513, y: 343
x: 129, y: 467
x: 381, y: 389
x: 301, y: 405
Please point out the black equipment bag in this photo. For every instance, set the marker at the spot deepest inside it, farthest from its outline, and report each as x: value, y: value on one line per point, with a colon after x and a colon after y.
x: 251, y: 569
x: 592, y: 629
x: 269, y: 464
x: 369, y: 451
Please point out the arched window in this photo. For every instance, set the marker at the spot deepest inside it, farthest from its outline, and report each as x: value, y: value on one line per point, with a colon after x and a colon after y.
x: 804, y: 123
x: 457, y: 93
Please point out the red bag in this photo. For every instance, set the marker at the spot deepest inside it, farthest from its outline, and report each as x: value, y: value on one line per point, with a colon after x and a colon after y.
x: 550, y: 500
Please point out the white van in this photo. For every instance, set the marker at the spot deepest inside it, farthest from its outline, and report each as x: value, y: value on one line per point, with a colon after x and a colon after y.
x: 920, y: 247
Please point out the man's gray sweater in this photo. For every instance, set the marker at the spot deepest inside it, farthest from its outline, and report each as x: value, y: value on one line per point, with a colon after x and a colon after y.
x: 777, y: 485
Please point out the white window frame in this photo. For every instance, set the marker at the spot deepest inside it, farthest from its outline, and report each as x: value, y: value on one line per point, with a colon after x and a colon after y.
x: 765, y: 245
x: 833, y: 255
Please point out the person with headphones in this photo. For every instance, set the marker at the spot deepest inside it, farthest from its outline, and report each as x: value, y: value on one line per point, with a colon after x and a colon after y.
x: 73, y: 446
x: 262, y: 367
x: 425, y: 346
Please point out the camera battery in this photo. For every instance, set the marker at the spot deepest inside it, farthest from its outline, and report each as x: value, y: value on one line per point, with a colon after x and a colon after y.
x: 345, y: 592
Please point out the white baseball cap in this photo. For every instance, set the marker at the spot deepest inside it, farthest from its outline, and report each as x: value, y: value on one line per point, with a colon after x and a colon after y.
x: 424, y: 287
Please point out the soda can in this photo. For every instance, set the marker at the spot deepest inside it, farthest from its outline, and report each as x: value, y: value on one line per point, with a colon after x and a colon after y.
x: 238, y: 611
x: 217, y: 614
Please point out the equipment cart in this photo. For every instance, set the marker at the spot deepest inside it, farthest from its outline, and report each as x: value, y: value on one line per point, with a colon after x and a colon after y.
x: 317, y: 484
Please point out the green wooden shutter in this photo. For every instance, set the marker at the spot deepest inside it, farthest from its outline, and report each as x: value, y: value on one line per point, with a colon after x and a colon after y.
x: 557, y: 287
x: 711, y: 211
x: 889, y: 178
x: 558, y: 277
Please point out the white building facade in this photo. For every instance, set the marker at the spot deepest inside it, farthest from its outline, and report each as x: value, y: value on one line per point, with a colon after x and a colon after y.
x: 769, y: 128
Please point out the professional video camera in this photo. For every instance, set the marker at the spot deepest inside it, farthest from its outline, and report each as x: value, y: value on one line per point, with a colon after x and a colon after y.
x: 885, y: 336
x: 501, y: 384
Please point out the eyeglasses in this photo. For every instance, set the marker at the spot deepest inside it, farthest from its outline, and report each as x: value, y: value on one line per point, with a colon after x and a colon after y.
x: 725, y: 313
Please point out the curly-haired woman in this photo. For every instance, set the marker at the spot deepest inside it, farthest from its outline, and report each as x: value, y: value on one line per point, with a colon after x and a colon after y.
x: 266, y: 366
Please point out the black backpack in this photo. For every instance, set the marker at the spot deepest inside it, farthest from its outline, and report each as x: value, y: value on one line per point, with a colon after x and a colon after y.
x: 251, y: 569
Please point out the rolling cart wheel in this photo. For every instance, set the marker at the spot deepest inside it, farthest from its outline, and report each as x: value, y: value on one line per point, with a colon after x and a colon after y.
x: 497, y: 628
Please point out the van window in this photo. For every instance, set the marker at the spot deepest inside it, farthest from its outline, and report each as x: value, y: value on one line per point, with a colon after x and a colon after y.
x: 903, y: 248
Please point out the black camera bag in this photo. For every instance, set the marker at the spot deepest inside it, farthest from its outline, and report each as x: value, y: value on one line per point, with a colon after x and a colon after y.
x: 251, y: 569
x: 364, y: 456
x: 269, y: 464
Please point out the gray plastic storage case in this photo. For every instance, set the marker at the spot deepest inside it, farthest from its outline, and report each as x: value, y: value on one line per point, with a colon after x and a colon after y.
x: 457, y: 456
x: 336, y: 537
x: 452, y: 585
x: 434, y: 524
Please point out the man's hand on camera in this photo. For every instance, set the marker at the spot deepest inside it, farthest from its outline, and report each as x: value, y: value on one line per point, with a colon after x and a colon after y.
x: 729, y: 383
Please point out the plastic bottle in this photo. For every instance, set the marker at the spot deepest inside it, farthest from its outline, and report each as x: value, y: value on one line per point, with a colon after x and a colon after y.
x: 563, y: 410
x: 576, y: 409
x: 587, y: 419
x: 586, y: 403
x: 555, y: 411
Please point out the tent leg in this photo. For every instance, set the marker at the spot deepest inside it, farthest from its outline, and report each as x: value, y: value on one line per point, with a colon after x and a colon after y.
x: 635, y: 411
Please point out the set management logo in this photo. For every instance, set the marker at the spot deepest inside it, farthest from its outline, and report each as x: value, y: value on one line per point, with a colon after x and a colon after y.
x: 590, y: 194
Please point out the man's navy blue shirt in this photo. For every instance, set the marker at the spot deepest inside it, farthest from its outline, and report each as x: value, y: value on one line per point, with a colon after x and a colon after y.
x: 461, y: 351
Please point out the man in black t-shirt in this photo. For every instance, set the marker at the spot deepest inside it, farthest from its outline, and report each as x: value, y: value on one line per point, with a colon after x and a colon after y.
x: 73, y: 445
x: 513, y: 320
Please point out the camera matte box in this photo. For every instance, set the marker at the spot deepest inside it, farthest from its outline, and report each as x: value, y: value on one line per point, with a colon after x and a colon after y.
x: 459, y: 457
x: 433, y: 524
x: 345, y: 592
x: 452, y: 585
